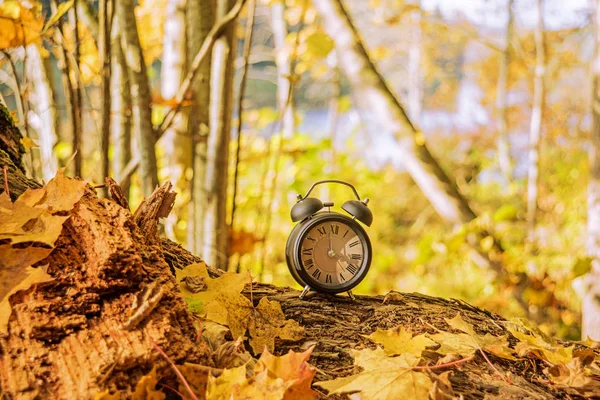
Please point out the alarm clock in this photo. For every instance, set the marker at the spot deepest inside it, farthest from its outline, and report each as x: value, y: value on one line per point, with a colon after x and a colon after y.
x: 327, y: 251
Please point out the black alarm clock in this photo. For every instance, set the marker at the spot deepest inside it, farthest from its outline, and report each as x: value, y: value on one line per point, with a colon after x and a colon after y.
x: 328, y: 251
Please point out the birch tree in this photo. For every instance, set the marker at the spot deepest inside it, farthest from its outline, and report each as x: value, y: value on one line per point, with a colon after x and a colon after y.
x: 140, y: 93
x: 200, y: 19
x: 504, y: 158
x: 535, y: 129
x: 221, y: 85
x: 284, y: 68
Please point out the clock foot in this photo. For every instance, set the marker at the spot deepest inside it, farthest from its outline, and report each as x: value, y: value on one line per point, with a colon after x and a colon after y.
x: 351, y: 295
x: 304, y: 292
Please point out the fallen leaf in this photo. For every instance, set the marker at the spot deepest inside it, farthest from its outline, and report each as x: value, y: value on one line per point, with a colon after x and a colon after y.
x: 267, y: 323
x: 28, y: 143
x: 196, y: 376
x: 400, y: 340
x: 541, y: 347
x: 572, y: 376
x: 221, y: 301
x: 231, y: 354
x: 467, y: 343
x: 105, y: 395
x: 382, y: 378
x: 221, y: 387
x: 19, y: 281
x: 62, y: 193
x: 292, y: 368
x: 145, y: 389
x: 214, y: 334
x: 233, y: 384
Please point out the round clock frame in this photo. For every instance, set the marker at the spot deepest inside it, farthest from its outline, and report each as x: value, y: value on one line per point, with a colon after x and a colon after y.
x: 327, y: 265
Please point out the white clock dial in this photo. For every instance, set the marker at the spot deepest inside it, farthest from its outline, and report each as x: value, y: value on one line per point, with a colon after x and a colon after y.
x: 332, y: 253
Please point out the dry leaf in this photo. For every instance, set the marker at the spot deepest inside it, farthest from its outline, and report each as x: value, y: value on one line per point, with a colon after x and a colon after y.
x: 196, y: 376
x: 540, y: 347
x: 231, y: 354
x: 28, y: 143
x: 399, y: 341
x: 221, y: 302
x: 145, y: 389
x: 572, y: 376
x: 383, y: 378
x: 466, y: 344
x: 269, y: 322
x: 291, y: 368
x: 28, y: 276
x: 214, y: 334
x: 105, y: 395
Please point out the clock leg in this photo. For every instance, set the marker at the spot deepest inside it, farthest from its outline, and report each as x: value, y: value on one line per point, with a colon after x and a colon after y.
x: 351, y: 295
x: 304, y: 292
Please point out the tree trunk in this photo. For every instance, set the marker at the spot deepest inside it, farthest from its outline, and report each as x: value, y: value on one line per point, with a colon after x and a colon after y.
x: 217, y: 156
x: 535, y: 129
x: 175, y: 141
x: 121, y: 106
x: 77, y: 99
x: 590, y: 309
x: 504, y: 158
x: 284, y: 68
x: 415, y: 78
x: 41, y: 115
x: 67, y: 338
x: 104, y: 49
x: 140, y: 93
x: 200, y: 19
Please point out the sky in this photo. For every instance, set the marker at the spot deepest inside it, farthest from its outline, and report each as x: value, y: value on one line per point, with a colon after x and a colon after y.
x: 559, y: 14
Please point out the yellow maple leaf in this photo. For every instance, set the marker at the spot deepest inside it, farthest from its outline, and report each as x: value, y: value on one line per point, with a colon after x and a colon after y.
x: 400, y: 340
x: 540, y: 347
x: 17, y: 280
x: 269, y: 322
x: 572, y: 376
x: 292, y: 368
x: 467, y: 343
x: 382, y: 378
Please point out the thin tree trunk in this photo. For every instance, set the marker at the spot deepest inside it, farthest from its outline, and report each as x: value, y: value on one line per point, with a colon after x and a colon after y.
x: 535, y: 129
x: 104, y: 48
x: 121, y: 122
x: 217, y: 160
x: 284, y: 70
x: 41, y: 116
x: 590, y: 309
x: 504, y: 158
x: 140, y: 92
x: 415, y: 78
x: 77, y: 98
x: 200, y: 19
x: 175, y: 141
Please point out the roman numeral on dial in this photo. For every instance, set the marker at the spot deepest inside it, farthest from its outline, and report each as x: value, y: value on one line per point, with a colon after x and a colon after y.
x: 356, y: 256
x: 342, y: 277
x: 309, y: 263
x: 335, y: 229
x: 328, y: 278
x: 316, y: 274
x: 307, y: 252
x: 322, y: 230
x: 355, y: 243
x: 352, y: 269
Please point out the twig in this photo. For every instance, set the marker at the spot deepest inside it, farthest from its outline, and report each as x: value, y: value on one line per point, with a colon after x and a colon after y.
x: 211, y: 38
x: 5, y: 169
x: 173, y: 390
x: 493, y: 367
x: 185, y: 383
x: 246, y: 55
x: 450, y: 364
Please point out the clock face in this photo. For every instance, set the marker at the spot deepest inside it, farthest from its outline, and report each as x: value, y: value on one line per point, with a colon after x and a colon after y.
x: 334, y: 254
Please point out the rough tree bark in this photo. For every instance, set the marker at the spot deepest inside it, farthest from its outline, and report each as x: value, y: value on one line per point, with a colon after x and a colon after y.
x: 199, y: 21
x: 591, y: 301
x: 67, y: 340
x: 504, y: 158
x: 215, y: 234
x: 535, y: 129
x: 140, y: 93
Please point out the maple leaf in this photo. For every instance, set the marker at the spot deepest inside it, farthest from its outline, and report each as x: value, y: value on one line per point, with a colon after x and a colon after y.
x: 233, y: 384
x: 572, y: 376
x: 467, y: 343
x: 145, y: 389
x: 19, y: 280
x: 293, y: 368
x: 269, y: 322
x: 541, y: 347
x: 222, y: 302
x: 400, y: 340
x: 382, y: 377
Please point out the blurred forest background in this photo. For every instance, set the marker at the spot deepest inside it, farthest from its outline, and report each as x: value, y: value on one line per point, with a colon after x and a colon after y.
x: 469, y: 124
